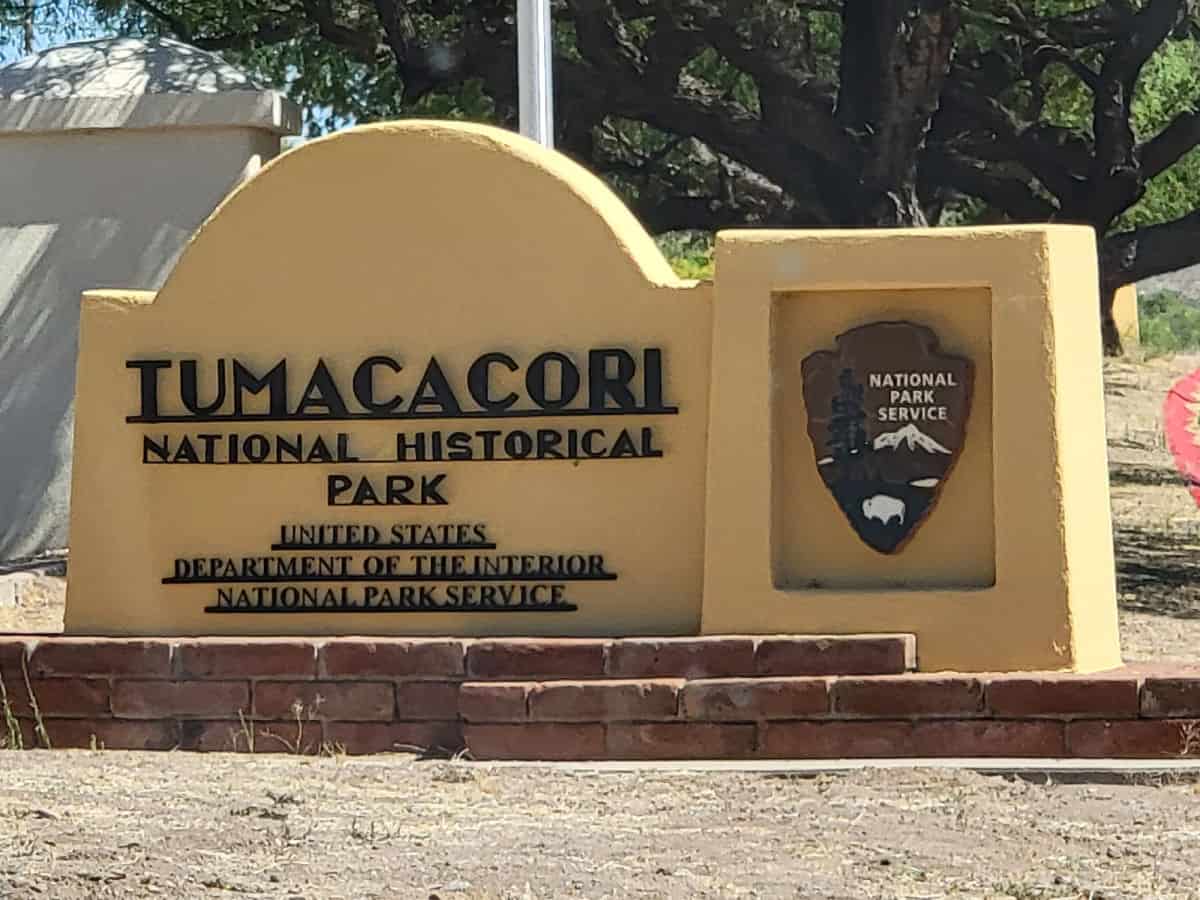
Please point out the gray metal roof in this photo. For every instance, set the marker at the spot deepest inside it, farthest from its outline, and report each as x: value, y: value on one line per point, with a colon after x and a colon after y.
x: 135, y: 83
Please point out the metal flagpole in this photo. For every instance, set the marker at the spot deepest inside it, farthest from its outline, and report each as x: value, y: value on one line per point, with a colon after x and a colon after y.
x: 535, y: 81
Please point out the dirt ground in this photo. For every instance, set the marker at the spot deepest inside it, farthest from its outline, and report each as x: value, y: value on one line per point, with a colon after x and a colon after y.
x: 77, y: 824
x: 1156, y: 525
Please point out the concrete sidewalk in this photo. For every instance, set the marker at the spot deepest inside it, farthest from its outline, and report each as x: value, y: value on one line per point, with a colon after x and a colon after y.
x: 1054, y: 769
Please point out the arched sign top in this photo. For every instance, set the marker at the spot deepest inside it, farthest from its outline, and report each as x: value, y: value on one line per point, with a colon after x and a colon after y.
x: 415, y: 195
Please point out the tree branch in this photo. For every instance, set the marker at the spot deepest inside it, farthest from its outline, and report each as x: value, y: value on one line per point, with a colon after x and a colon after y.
x: 1116, y: 179
x: 1130, y: 256
x: 1164, y: 149
x: 1019, y: 198
x: 975, y: 120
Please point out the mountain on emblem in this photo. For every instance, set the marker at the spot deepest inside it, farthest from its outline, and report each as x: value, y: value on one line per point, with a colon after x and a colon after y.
x: 887, y: 417
x: 911, y: 436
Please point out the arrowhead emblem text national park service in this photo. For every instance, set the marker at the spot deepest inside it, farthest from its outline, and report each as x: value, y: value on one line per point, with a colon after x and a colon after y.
x: 887, y: 416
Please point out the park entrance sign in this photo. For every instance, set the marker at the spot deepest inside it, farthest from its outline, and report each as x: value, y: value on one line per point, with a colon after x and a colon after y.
x: 426, y: 378
x: 368, y: 402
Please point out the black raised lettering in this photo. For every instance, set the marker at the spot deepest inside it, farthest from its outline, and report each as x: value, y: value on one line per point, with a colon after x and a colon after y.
x: 189, y: 389
x: 274, y: 382
x: 322, y: 392
x: 568, y: 380
x: 159, y: 448
x: 602, y: 386
x: 479, y: 381
x: 364, y: 385
x: 435, y: 391
x: 336, y: 485
x: 148, y: 370
x: 652, y: 378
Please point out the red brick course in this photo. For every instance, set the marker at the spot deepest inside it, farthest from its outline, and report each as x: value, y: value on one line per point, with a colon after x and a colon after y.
x: 681, y: 658
x: 392, y: 658
x: 113, y: 734
x: 849, y: 655
x: 432, y: 700
x: 224, y: 736
x: 180, y: 699
x: 551, y: 658
x: 536, y: 741
x: 1063, y: 696
x: 748, y: 700
x: 101, y: 656
x: 832, y: 740
x: 62, y: 697
x: 1171, y: 697
x: 438, y: 738
x: 237, y: 658
x: 650, y: 698
x: 982, y: 737
x: 13, y: 651
x: 680, y: 740
x: 355, y: 701
x: 604, y: 701
x: 494, y: 701
x: 907, y: 695
x: 1135, y: 738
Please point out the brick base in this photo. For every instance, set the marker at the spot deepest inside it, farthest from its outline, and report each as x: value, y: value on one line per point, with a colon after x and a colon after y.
x: 565, y: 699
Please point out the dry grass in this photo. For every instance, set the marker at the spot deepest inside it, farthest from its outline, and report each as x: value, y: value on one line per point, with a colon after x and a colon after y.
x: 182, y: 825
x: 1155, y: 521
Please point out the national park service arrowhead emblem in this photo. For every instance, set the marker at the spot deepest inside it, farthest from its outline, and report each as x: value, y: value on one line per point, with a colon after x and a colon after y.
x: 887, y: 416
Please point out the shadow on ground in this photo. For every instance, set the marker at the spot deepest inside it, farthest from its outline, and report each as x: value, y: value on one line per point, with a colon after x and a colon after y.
x: 54, y: 564
x: 1134, y: 474
x: 1157, y: 572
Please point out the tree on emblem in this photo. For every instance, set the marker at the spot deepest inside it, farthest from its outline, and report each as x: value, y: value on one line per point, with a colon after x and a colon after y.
x: 847, y: 437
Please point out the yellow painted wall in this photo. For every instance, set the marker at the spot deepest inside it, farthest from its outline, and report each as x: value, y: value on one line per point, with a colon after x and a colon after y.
x: 1033, y: 505
x: 405, y: 239
x: 808, y: 549
x: 422, y: 239
x: 1125, y: 314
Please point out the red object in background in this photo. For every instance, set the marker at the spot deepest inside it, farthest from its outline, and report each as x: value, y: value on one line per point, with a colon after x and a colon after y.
x: 1181, y: 412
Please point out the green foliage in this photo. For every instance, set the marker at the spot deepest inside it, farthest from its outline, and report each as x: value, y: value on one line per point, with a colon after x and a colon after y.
x: 1169, y: 323
x: 690, y: 253
x: 333, y: 58
x: 697, y: 267
x: 1166, y: 88
x: 715, y: 71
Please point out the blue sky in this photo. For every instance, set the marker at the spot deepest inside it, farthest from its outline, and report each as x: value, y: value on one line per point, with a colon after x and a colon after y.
x: 79, y: 27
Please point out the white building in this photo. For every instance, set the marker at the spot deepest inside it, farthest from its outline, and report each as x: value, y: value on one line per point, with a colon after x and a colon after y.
x: 112, y: 152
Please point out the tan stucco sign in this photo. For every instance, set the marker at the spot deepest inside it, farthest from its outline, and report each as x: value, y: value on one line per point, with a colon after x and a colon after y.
x: 428, y: 378
x: 366, y: 402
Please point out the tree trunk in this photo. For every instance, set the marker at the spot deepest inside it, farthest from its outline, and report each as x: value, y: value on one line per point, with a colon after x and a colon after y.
x: 894, y: 61
x: 27, y: 33
x: 1108, y: 324
x: 1115, y: 259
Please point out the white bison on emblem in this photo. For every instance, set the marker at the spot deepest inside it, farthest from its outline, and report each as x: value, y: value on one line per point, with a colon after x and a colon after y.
x: 884, y: 508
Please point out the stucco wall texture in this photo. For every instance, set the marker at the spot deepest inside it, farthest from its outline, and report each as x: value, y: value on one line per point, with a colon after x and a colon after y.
x: 504, y: 245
